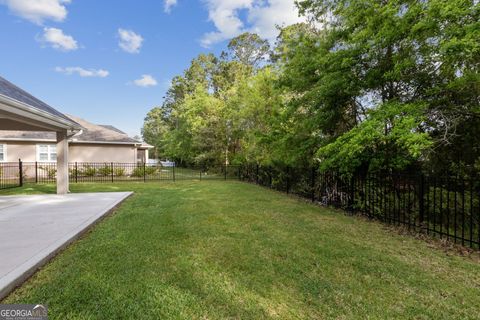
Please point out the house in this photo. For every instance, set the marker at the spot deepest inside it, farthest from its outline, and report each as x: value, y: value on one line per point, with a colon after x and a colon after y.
x: 94, y: 143
x: 20, y: 111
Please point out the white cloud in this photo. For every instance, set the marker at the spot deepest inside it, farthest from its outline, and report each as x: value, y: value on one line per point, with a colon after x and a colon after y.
x: 38, y: 11
x: 58, y: 40
x: 224, y: 15
x: 130, y: 41
x: 168, y: 4
x: 145, y: 81
x: 100, y: 73
x: 262, y: 17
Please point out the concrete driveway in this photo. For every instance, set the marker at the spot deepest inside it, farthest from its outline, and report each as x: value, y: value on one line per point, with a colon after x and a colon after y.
x: 34, y: 228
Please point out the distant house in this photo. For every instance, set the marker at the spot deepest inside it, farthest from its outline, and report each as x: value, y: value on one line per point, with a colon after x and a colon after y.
x: 95, y: 143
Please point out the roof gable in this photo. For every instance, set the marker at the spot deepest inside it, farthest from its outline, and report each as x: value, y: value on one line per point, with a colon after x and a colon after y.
x: 98, y: 133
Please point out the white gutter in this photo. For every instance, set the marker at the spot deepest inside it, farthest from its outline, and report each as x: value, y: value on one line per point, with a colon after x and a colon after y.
x: 74, y: 134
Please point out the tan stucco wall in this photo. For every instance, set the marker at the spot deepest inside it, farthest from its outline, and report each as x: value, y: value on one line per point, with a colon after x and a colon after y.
x: 77, y: 152
x: 102, y: 153
x: 20, y: 150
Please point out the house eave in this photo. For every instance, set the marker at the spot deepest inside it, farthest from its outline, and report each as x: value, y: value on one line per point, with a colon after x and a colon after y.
x: 26, y: 111
x: 72, y: 141
x: 105, y: 142
x: 27, y: 140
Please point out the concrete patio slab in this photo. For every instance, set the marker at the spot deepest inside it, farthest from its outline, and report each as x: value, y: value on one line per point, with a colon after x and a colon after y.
x: 35, y: 228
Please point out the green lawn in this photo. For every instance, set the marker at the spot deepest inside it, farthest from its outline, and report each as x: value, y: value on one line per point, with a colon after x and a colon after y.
x: 218, y: 250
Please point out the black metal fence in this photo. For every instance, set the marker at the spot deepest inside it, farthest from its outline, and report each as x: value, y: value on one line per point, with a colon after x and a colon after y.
x: 10, y: 174
x: 41, y: 172
x: 445, y: 207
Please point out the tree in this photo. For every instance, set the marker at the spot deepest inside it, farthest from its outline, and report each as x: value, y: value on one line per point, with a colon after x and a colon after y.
x: 155, y: 127
x: 255, y: 109
x: 390, y: 137
x: 365, y: 84
x: 374, y: 54
x: 249, y: 49
x: 321, y: 86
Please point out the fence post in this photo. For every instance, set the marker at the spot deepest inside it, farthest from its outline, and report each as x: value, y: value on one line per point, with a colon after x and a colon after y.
x: 421, y: 200
x: 173, y: 173
x: 36, y: 172
x: 144, y: 173
x: 76, y: 172
x: 351, y: 198
x: 201, y: 173
x: 111, y: 169
x: 312, y: 183
x: 288, y: 179
x: 20, y: 172
x: 256, y: 174
x: 225, y: 172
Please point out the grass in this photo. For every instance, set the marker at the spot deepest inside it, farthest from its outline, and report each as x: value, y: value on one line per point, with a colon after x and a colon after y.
x: 219, y: 250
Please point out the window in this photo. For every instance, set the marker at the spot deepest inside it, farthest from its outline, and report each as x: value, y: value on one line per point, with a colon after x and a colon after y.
x: 3, y: 152
x: 46, y: 153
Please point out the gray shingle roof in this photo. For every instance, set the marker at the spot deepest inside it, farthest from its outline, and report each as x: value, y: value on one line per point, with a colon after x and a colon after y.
x: 11, y: 91
x: 110, y: 127
x: 91, y: 133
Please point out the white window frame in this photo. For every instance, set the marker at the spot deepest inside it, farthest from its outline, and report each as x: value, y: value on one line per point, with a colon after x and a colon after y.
x: 49, y: 152
x: 4, y: 152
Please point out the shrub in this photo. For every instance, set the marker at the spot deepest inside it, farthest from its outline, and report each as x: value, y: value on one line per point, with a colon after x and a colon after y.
x: 119, y: 172
x: 150, y: 170
x: 140, y: 170
x: 106, y: 170
x: 89, y: 171
x: 50, y: 171
x: 137, y: 172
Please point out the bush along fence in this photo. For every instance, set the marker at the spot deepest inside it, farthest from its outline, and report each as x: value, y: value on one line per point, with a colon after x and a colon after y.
x: 444, y: 207
x: 16, y: 174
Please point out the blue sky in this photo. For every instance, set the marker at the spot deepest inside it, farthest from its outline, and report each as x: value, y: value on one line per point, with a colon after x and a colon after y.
x: 111, y: 61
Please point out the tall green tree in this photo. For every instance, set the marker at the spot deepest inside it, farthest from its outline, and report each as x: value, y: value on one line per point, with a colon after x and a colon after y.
x: 196, y: 123
x: 364, y: 84
x: 374, y: 54
x: 156, y: 125
x: 249, y: 49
